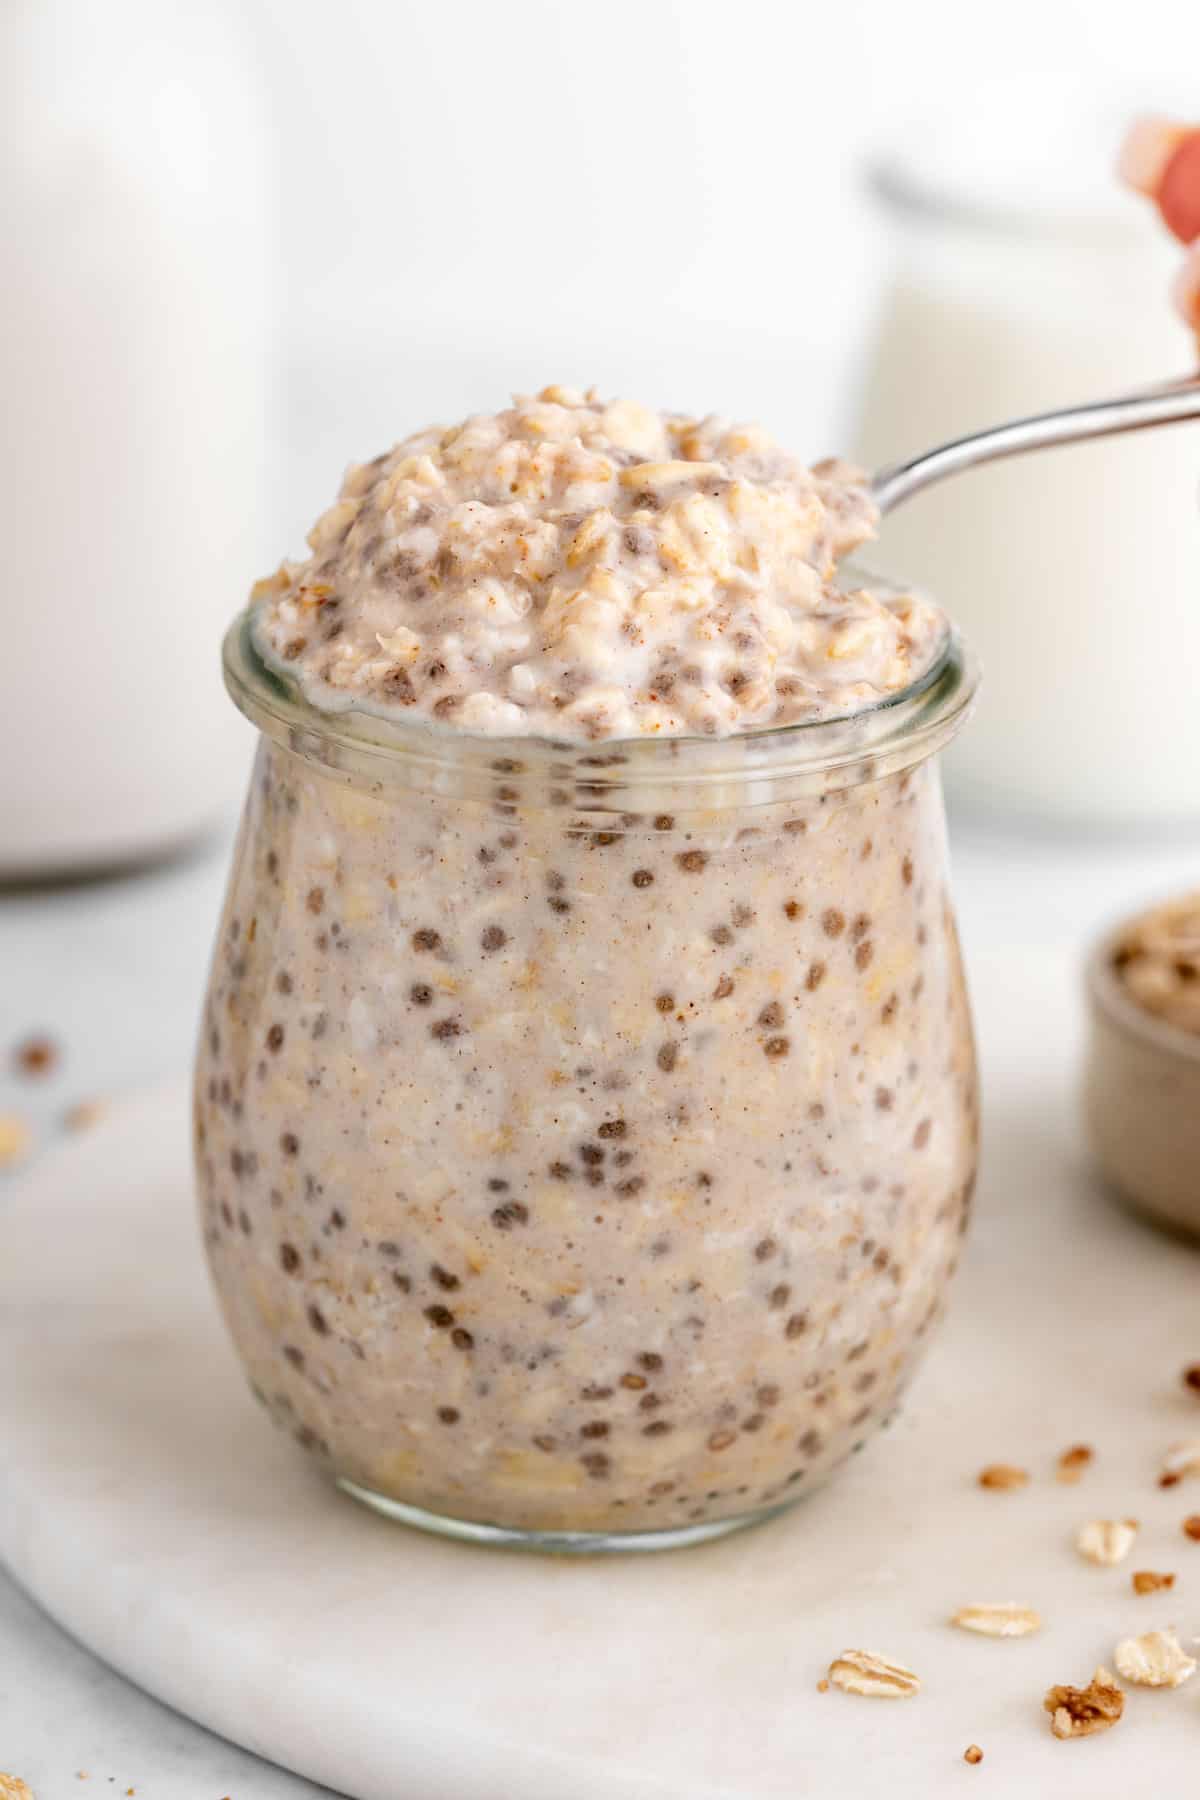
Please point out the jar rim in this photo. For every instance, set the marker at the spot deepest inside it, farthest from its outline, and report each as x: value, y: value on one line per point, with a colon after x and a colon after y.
x: 892, y: 734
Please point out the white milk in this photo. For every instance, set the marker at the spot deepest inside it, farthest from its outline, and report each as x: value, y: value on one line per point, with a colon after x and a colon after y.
x: 134, y: 374
x: 1075, y: 573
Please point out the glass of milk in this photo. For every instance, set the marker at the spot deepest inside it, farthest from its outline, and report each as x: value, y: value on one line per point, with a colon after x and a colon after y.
x: 1022, y: 279
x: 136, y: 184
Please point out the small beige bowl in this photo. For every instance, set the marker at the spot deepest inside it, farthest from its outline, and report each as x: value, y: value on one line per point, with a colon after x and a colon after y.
x: 1142, y: 1097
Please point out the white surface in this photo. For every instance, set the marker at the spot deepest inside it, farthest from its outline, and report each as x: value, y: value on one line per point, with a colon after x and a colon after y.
x: 1070, y: 1322
x: 63, y: 1713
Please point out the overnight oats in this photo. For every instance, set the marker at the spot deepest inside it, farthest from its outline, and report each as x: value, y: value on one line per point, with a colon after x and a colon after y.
x: 586, y: 1112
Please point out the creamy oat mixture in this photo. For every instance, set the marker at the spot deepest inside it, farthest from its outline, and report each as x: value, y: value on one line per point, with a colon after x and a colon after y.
x: 575, y: 569
x: 577, y: 1169
x: 1158, y: 962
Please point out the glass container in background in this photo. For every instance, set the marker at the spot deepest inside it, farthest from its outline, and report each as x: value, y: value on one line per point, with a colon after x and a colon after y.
x: 136, y: 195
x: 1022, y: 279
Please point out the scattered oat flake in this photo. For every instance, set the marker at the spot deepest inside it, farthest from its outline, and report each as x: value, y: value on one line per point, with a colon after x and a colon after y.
x: 36, y: 1056
x: 13, y: 1788
x: 84, y: 1114
x: 1180, y: 1460
x: 822, y: 1686
x: 1156, y: 1659
x: 1078, y: 1712
x: 1073, y: 1462
x: 1106, y: 1541
x: 1002, y: 1619
x: 1002, y: 1475
x: 15, y: 1140
x: 1191, y: 1525
x: 1191, y: 1377
x: 866, y: 1672
x: 973, y: 1754
x: 1149, y: 1581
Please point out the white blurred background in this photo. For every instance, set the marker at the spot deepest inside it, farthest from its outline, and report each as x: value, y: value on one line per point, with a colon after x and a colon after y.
x: 665, y: 197
x: 252, y: 240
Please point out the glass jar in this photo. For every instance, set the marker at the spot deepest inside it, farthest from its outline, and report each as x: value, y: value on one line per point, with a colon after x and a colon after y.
x: 585, y: 1134
x: 1022, y: 278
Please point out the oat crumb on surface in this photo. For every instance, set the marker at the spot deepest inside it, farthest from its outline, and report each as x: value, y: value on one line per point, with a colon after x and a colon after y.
x: 1073, y: 1462
x: 1180, y: 1461
x: 1079, y: 1712
x: 877, y: 1677
x: 1004, y: 1619
x: 1003, y: 1475
x: 13, y: 1788
x: 1156, y: 1659
x: 1106, y: 1541
x: 1191, y: 1526
x: 1150, y: 1581
x: 15, y: 1140
x: 823, y: 1686
x: 84, y: 1114
x: 1191, y: 1377
x: 973, y: 1754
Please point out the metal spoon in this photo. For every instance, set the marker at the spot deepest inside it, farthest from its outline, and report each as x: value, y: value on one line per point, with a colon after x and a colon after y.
x: 1164, y: 404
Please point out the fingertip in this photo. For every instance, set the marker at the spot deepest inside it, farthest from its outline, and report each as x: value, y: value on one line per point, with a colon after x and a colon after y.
x: 1146, y: 149
x: 1179, y: 190
x: 1185, y: 288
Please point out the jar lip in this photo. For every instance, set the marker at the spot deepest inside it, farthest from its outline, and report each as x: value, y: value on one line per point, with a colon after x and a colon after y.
x: 904, y: 728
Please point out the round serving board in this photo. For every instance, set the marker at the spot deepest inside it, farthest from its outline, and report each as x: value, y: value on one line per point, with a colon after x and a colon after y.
x: 148, y: 1505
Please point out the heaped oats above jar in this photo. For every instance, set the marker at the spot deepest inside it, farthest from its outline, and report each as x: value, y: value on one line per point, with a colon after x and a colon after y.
x: 587, y: 570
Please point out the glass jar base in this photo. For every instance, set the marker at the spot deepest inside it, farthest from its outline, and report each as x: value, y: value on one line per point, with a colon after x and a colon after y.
x: 557, y: 1543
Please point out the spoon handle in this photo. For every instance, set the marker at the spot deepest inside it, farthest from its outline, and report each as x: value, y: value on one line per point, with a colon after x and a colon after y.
x: 1163, y: 404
